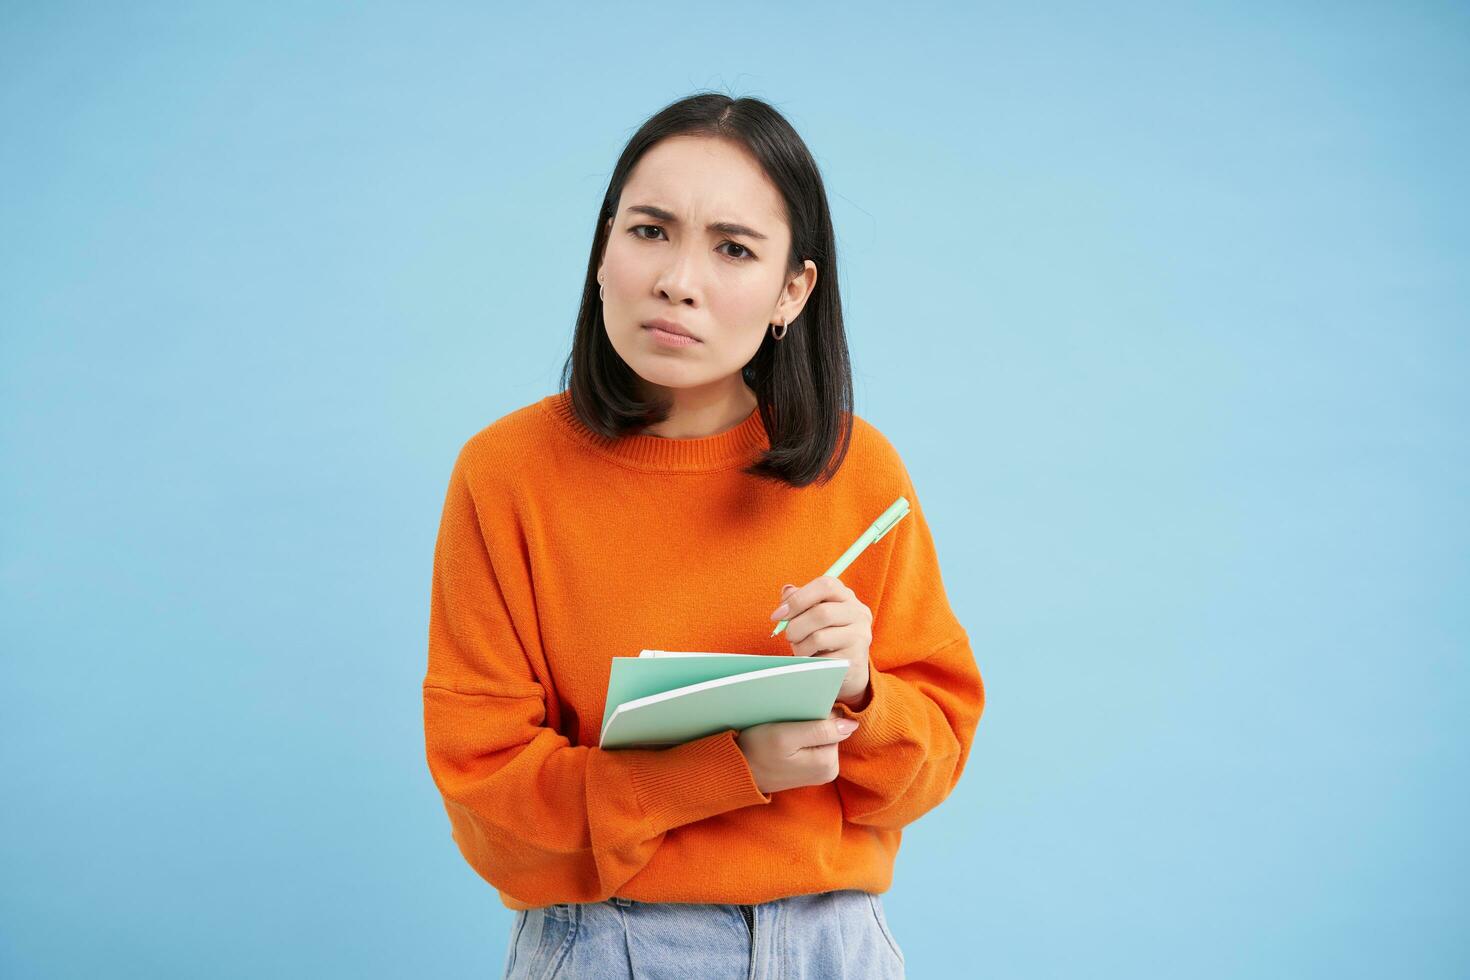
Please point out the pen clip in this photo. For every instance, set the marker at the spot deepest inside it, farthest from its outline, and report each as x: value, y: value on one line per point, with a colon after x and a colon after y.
x: 893, y: 515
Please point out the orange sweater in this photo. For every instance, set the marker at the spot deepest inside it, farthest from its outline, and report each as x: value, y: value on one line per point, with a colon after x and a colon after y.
x: 559, y: 550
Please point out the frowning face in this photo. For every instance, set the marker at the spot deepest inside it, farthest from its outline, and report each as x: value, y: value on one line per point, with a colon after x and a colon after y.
x: 699, y: 240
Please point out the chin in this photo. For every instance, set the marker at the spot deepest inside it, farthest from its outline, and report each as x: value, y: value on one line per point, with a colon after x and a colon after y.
x: 661, y: 375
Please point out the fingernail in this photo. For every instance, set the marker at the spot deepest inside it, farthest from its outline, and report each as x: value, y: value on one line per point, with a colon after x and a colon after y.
x: 846, y: 726
x: 780, y: 612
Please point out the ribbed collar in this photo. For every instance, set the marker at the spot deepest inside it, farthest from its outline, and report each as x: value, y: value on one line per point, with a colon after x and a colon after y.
x: 736, y: 447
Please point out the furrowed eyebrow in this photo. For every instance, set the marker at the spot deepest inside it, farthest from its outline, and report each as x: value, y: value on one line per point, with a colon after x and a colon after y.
x: 723, y: 227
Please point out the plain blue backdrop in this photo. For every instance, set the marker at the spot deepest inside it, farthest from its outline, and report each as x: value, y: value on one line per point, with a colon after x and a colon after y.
x: 1164, y: 306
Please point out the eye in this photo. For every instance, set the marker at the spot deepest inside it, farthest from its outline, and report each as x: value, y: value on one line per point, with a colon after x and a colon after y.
x: 746, y: 254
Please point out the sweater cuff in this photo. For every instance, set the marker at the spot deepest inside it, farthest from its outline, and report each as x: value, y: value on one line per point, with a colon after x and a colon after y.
x: 880, y: 721
x: 694, y: 780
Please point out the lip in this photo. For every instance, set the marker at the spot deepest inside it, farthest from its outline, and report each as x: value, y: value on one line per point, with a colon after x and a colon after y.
x: 669, y: 326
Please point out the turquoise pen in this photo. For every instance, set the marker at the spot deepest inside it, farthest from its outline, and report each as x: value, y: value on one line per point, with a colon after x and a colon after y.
x: 876, y: 530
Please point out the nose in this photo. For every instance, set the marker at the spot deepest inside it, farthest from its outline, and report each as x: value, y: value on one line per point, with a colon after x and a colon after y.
x: 678, y: 280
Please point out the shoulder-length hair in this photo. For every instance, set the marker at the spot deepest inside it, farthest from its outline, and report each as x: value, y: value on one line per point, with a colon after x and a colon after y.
x: 803, y: 382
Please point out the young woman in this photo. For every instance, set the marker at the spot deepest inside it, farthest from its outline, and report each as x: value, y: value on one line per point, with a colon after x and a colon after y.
x: 684, y: 490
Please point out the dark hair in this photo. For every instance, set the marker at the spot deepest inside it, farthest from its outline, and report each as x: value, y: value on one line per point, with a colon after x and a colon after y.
x: 803, y: 382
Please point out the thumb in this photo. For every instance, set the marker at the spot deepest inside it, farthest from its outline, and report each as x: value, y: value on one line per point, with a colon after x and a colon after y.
x: 825, y: 731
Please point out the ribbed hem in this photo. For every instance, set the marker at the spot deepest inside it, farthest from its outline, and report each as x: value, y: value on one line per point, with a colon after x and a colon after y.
x: 878, y: 722
x: 732, y: 448
x: 697, y: 779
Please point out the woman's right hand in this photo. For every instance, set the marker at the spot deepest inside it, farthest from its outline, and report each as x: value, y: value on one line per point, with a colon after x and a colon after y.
x: 787, y: 754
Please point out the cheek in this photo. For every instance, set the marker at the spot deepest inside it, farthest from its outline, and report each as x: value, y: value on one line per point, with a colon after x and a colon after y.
x: 740, y: 304
x: 620, y: 268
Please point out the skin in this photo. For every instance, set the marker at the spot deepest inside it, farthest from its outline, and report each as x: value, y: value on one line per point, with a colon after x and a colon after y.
x: 825, y: 619
x: 727, y: 289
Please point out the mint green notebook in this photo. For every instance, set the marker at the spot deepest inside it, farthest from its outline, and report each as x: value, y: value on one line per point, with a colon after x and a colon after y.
x: 661, y: 698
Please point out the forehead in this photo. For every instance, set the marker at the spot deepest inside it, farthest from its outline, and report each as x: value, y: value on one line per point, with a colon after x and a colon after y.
x: 703, y: 179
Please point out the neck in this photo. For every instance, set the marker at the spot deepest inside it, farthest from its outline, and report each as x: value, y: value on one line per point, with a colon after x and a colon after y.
x: 705, y: 411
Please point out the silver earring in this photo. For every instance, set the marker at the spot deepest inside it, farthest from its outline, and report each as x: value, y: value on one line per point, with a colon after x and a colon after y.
x: 599, y: 291
x: 778, y: 336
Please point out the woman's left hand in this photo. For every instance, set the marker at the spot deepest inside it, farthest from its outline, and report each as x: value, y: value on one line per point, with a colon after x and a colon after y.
x: 827, y: 619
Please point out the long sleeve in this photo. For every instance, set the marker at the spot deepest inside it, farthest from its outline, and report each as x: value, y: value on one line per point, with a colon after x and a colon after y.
x: 926, y: 691
x: 537, y: 817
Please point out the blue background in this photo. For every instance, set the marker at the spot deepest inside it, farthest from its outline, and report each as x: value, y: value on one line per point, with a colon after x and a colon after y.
x: 1164, y: 306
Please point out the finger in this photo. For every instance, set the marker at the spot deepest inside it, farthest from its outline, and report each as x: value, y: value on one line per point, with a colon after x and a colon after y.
x: 800, y: 625
x: 829, y: 642
x: 817, y: 590
x: 822, y: 616
x: 824, y: 731
x: 783, y: 609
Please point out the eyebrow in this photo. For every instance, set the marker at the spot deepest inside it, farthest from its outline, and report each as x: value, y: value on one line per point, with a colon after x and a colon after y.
x: 723, y: 227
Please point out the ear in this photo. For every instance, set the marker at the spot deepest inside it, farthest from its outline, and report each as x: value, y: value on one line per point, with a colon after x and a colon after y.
x: 796, y: 293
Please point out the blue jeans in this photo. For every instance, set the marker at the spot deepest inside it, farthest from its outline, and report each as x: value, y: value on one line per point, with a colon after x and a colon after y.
x: 825, y: 936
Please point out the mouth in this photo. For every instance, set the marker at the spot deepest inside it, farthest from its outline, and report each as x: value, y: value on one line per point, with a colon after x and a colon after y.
x: 670, y: 327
